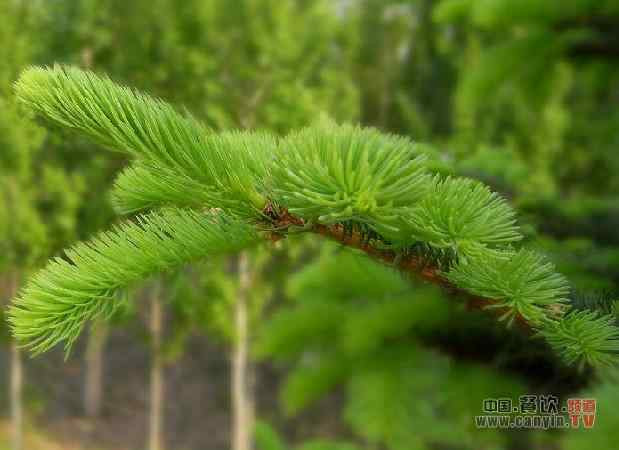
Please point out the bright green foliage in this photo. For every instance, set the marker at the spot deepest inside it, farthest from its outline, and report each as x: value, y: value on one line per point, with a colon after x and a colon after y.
x: 584, y: 337
x: 60, y: 298
x: 114, y: 116
x: 146, y: 186
x: 372, y: 184
x: 458, y: 212
x: 362, y: 176
x: 226, y: 164
x: 357, y: 174
x: 523, y: 283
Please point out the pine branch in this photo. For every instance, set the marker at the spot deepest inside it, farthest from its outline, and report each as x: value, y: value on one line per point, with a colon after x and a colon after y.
x: 331, y: 174
x: 114, y: 116
x: 143, y: 186
x: 58, y: 300
x: 231, y: 166
x: 521, y: 283
x: 459, y: 212
x: 584, y: 337
x: 417, y: 265
x: 362, y: 188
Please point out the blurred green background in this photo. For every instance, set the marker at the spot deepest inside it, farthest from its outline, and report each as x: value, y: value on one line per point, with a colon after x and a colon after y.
x: 344, y: 354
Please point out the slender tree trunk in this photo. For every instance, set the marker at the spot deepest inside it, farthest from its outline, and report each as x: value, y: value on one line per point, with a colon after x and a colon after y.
x: 251, y: 400
x: 93, y: 383
x: 242, y: 405
x: 95, y: 347
x: 155, y: 439
x: 16, y: 398
x: 16, y: 384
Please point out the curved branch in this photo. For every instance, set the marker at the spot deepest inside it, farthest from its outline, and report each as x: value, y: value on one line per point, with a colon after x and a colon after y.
x: 410, y: 264
x: 57, y: 301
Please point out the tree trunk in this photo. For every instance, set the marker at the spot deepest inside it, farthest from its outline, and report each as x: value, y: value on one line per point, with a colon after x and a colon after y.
x: 93, y: 383
x: 16, y: 383
x: 16, y: 398
x: 155, y: 441
x: 242, y: 404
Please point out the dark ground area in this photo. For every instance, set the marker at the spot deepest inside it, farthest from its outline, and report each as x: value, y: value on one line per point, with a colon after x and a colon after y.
x: 197, y: 404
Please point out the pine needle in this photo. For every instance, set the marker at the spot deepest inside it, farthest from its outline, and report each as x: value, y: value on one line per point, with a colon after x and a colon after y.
x: 58, y: 300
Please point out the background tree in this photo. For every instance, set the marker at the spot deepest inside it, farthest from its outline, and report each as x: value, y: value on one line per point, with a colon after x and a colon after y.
x: 39, y: 197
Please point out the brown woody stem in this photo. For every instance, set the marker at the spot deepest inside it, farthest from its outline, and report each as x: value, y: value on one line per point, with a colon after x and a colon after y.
x: 409, y: 264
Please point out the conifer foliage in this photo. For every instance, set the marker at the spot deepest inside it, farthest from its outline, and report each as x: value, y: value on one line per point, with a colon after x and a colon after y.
x: 202, y: 193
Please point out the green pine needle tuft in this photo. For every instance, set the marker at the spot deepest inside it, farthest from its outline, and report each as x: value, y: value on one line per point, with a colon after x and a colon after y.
x: 584, y: 338
x: 331, y: 174
x: 522, y: 282
x: 58, y: 300
x: 145, y: 186
x: 458, y: 212
x: 115, y: 116
x: 231, y: 166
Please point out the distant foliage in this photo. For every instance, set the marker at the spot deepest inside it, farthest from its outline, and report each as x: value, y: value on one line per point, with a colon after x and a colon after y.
x: 357, y: 327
